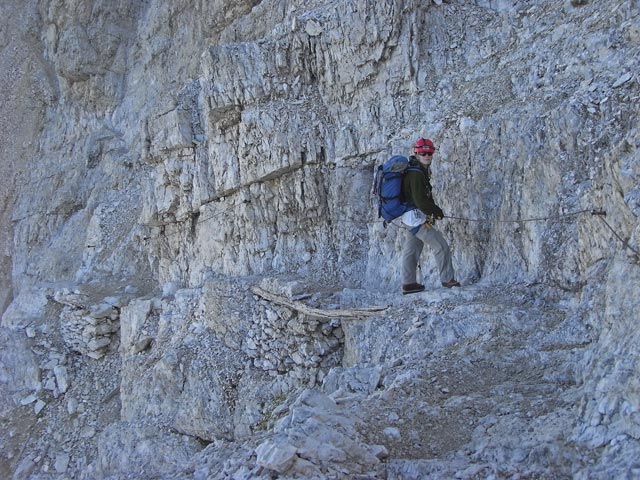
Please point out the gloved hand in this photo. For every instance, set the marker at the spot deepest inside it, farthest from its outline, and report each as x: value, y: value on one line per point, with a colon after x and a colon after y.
x: 438, y: 213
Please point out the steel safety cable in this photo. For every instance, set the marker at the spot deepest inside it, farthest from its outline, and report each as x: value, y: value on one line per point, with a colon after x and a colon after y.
x: 598, y: 213
x: 524, y: 220
x: 199, y: 221
x: 624, y: 242
x: 601, y: 214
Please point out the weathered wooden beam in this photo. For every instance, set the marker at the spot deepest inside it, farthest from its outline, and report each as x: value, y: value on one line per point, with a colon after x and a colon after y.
x: 317, y: 312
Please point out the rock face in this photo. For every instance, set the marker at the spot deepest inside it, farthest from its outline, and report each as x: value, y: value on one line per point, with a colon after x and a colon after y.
x: 191, y: 254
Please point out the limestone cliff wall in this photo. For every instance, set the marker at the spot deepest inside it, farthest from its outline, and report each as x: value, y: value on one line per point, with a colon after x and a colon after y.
x: 160, y: 158
x: 170, y: 145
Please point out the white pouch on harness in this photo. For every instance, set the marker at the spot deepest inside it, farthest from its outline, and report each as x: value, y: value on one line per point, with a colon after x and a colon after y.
x: 413, y: 218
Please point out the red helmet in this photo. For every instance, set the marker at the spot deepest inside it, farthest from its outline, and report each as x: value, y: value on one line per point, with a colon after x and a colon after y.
x: 424, y: 145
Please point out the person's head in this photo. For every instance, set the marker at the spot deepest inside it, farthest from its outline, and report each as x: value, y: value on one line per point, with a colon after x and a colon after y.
x: 423, y: 150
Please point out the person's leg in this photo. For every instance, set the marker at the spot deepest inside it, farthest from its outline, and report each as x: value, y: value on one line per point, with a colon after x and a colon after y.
x: 410, y: 256
x: 440, y: 247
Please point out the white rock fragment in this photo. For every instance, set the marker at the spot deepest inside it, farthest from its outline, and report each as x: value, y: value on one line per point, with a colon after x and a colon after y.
x: 250, y: 344
x: 622, y: 80
x: 324, y: 451
x: 50, y: 384
x: 72, y: 406
x: 29, y: 399
x: 313, y: 28
x: 62, y: 382
x: 169, y: 289
x: 114, y: 301
x: 98, y: 343
x: 392, y: 432
x: 379, y: 451
x: 276, y: 455
x: 39, y: 406
x: 101, y: 311
x: 62, y: 462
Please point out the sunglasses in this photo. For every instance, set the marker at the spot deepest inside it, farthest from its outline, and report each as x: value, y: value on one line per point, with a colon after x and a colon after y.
x: 425, y: 154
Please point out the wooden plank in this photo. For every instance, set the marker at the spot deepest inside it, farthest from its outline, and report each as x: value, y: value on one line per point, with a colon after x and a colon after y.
x: 317, y: 312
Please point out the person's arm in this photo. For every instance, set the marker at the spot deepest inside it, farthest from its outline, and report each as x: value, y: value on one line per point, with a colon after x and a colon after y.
x: 420, y: 196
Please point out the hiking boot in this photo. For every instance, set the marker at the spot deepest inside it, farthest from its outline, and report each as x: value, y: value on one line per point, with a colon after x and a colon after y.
x: 412, y: 288
x: 451, y: 284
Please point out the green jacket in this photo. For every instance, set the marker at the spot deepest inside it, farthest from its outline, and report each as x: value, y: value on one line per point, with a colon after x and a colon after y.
x: 416, y: 188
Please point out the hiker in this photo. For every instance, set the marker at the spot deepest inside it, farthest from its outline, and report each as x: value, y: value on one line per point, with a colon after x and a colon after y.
x: 416, y: 188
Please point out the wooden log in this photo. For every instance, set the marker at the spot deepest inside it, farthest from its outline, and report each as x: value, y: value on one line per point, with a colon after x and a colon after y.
x: 317, y: 312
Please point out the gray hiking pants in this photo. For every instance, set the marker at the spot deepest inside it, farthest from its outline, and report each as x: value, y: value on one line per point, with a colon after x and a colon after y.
x: 413, y: 248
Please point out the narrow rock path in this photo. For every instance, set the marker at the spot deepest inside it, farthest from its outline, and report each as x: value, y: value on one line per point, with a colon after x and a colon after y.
x: 480, y: 383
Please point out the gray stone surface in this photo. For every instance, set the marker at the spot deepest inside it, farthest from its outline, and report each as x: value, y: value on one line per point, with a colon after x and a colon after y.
x: 160, y: 160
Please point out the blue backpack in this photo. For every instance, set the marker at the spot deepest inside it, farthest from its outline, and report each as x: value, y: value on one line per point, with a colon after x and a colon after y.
x: 388, y: 187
